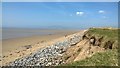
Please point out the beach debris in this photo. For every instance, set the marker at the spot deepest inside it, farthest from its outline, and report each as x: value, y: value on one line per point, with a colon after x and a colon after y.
x: 42, y: 41
x: 24, y: 50
x: 23, y: 54
x: 38, y: 42
x: 17, y: 52
x: 20, y: 55
x: 10, y: 53
x: 28, y: 46
x: 3, y: 56
x: 66, y: 35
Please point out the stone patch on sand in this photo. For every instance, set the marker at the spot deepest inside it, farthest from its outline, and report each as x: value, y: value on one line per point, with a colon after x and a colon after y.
x: 51, y: 55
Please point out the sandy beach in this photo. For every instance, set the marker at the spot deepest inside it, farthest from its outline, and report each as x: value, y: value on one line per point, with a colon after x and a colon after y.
x: 52, y: 49
x: 59, y: 33
x: 16, y: 47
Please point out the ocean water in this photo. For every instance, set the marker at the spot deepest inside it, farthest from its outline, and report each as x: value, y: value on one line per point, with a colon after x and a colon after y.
x: 8, y: 33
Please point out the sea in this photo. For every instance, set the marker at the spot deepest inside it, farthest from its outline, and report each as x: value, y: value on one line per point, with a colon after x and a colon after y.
x: 8, y: 33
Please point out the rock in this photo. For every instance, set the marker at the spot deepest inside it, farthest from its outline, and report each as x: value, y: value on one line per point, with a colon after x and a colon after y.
x: 17, y: 52
x: 10, y: 54
x: 3, y: 56
x: 59, y: 54
x: 49, y: 55
x: 49, y: 64
x: 28, y: 46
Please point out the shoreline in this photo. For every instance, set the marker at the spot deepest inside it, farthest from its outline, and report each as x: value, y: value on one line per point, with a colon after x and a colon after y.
x: 18, y: 49
x: 65, y: 49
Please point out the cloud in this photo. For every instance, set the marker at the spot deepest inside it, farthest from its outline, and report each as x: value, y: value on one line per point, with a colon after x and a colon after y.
x: 101, y: 11
x: 104, y: 17
x: 80, y: 13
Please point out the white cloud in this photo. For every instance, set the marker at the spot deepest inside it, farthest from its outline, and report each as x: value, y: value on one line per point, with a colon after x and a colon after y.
x: 104, y: 17
x: 77, y: 13
x: 80, y: 13
x: 101, y: 11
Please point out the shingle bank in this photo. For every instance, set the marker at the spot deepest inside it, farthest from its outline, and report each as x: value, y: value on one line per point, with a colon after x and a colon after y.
x: 50, y: 55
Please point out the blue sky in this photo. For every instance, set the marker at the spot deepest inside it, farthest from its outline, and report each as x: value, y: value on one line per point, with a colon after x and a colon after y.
x: 60, y: 0
x: 59, y: 14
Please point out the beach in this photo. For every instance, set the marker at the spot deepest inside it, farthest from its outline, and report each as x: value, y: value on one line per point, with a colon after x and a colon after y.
x: 13, y: 48
x: 63, y: 48
x: 59, y: 33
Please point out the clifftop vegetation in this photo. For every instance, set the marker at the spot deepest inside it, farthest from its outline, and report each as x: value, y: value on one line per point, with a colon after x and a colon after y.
x: 104, y: 38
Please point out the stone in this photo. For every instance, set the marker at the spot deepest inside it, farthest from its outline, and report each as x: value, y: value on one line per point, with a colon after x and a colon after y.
x: 49, y: 55
x: 28, y: 46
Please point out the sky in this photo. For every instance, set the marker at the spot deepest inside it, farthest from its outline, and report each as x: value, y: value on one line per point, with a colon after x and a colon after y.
x: 60, y: 0
x: 74, y: 15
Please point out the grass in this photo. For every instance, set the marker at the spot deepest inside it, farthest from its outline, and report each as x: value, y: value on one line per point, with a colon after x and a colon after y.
x: 107, y: 58
x: 109, y: 34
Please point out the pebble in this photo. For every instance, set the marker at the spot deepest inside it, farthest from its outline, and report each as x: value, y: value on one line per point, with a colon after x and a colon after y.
x: 3, y: 56
x: 10, y: 54
x: 48, y: 56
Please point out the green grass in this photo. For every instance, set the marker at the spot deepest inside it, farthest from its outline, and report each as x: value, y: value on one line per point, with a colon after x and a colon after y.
x: 109, y: 34
x: 107, y: 58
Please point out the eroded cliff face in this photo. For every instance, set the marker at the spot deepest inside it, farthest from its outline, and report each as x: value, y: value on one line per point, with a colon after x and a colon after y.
x: 101, y: 41
x: 88, y: 46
